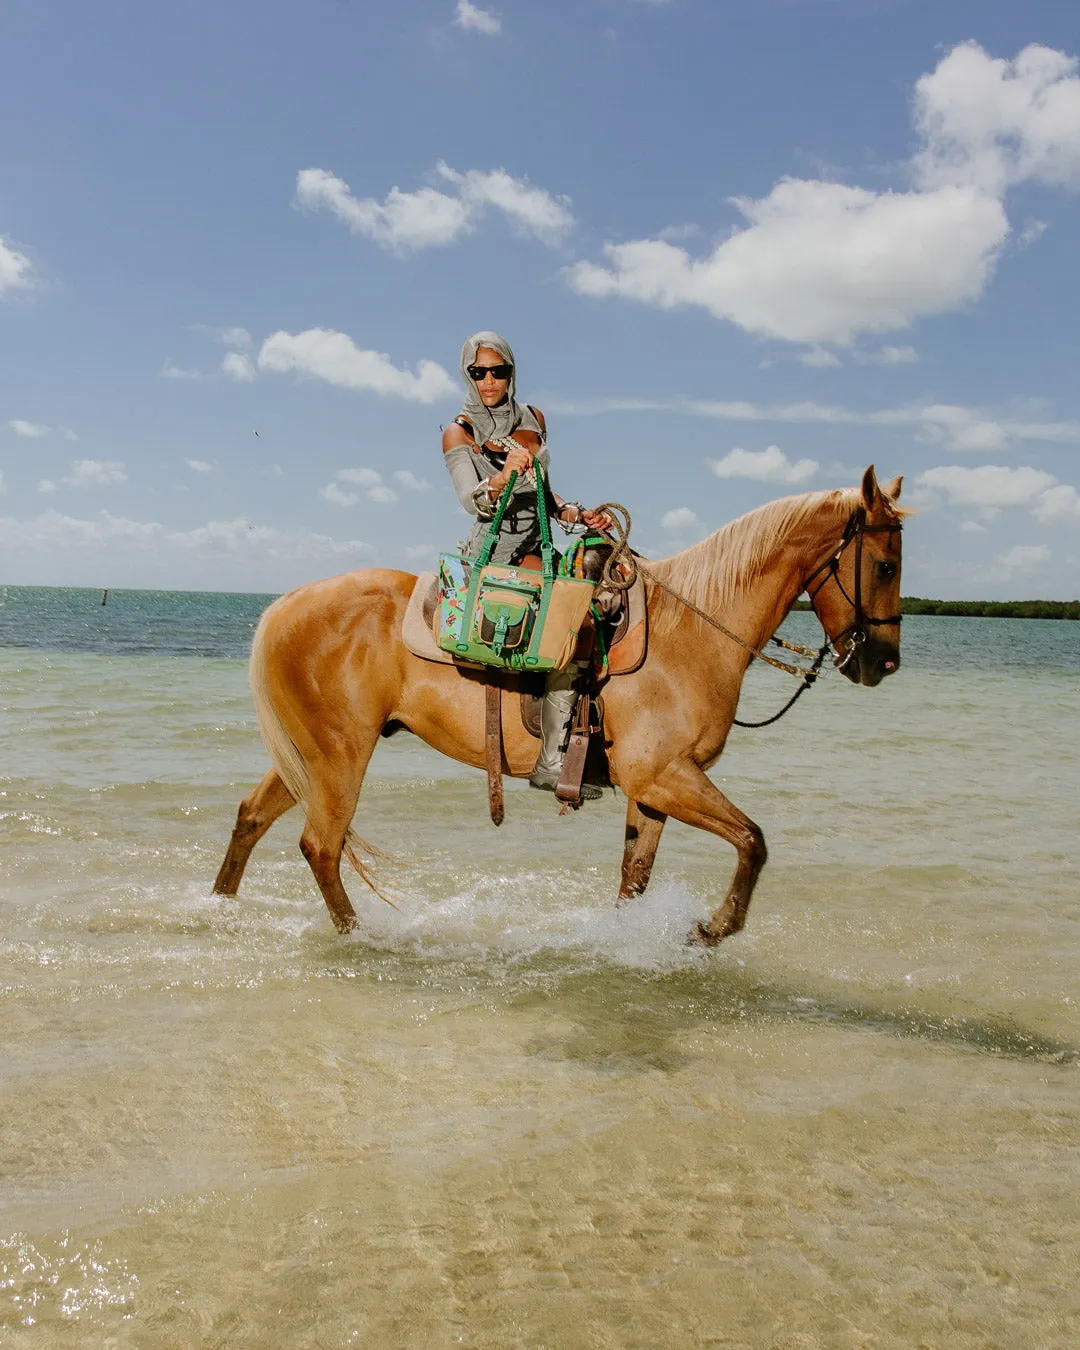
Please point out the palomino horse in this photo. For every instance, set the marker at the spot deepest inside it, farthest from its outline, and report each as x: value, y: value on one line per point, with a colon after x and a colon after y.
x: 329, y: 672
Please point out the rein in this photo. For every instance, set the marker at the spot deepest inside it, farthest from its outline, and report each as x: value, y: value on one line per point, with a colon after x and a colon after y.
x: 630, y: 564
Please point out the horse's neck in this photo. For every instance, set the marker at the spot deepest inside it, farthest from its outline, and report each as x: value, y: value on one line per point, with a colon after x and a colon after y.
x: 760, y: 606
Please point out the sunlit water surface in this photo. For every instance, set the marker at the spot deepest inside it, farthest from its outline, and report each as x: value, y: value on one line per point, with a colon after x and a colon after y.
x: 509, y: 1114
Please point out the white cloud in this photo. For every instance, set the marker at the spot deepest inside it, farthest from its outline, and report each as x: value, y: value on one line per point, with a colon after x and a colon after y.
x: 1024, y: 558
x: 334, y: 357
x: 1033, y: 230
x: 476, y: 20
x: 533, y: 210
x: 988, y: 485
x: 16, y: 269
x: 112, y: 534
x: 95, y: 473
x: 679, y: 518
x: 418, y: 552
x: 887, y: 356
x: 823, y: 262
x: 428, y: 218
x: 406, y: 220
x: 962, y: 429
x: 30, y: 430
x: 820, y: 262
x: 199, y: 465
x: 993, y: 123
x: 370, y: 481
x: 236, y: 337
x: 410, y: 482
x: 993, y: 487
x: 332, y: 493
x: 237, y: 366
x: 1, y: 480
x: 770, y: 465
x: 819, y: 356
x: 365, y: 478
x: 952, y: 425
x: 972, y: 527
x: 1058, y: 505
x: 169, y: 371
x: 46, y: 485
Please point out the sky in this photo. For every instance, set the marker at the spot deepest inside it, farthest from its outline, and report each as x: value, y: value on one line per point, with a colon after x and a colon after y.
x: 741, y: 248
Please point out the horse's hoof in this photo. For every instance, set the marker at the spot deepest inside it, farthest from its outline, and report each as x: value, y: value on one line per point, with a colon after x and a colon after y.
x: 702, y: 936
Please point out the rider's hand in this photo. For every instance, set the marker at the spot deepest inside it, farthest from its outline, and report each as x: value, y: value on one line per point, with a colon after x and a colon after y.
x: 597, y: 520
x: 517, y: 461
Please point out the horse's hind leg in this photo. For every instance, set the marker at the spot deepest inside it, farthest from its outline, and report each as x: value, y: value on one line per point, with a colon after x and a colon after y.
x: 335, y: 778
x: 257, y: 813
x: 643, y: 829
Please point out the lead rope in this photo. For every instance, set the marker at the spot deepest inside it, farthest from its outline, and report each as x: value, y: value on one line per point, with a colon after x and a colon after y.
x: 622, y: 568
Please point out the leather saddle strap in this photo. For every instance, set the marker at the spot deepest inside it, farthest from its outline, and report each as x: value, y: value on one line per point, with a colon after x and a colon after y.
x: 568, y: 788
x: 493, y: 745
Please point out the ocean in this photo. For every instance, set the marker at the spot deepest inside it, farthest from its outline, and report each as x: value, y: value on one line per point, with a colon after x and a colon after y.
x: 507, y: 1113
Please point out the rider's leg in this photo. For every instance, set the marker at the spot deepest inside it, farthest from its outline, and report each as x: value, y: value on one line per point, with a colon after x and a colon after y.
x: 556, y: 716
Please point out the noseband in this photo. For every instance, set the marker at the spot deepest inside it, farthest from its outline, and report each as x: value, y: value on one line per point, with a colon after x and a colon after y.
x: 858, y: 631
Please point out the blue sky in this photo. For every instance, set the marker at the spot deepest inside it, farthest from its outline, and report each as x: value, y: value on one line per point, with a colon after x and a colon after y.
x: 741, y: 250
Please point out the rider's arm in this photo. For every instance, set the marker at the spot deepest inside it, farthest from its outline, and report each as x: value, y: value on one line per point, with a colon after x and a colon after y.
x: 475, y: 497
x: 568, y: 513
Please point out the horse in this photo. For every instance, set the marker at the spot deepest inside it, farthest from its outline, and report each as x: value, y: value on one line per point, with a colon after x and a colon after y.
x: 330, y: 674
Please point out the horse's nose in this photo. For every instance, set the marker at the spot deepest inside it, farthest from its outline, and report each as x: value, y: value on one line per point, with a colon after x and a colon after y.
x: 891, y: 663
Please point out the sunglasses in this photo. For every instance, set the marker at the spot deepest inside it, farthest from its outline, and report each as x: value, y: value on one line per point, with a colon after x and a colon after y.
x: 477, y: 373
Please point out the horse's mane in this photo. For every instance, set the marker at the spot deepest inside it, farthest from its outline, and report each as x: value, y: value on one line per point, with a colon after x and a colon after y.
x: 716, y: 571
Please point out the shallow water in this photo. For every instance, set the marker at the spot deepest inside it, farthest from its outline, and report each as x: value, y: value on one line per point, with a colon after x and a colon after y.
x: 509, y: 1114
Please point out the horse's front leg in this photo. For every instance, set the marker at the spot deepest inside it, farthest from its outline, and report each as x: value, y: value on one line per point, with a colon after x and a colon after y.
x: 643, y: 829
x: 684, y: 791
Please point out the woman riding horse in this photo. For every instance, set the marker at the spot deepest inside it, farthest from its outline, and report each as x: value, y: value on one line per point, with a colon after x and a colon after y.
x: 493, y: 437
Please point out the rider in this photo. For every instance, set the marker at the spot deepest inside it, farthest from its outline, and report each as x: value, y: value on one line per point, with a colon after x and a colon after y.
x: 480, y: 469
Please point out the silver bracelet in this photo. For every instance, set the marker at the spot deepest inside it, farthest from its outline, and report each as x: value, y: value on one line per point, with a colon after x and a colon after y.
x: 481, y: 499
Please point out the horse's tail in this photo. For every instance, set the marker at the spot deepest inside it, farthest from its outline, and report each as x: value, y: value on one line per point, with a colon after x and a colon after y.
x: 286, y: 758
x: 290, y: 763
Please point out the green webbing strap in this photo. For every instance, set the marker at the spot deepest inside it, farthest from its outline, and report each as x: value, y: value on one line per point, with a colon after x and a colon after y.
x: 547, y: 563
x: 487, y: 548
x: 492, y: 536
x: 547, y: 567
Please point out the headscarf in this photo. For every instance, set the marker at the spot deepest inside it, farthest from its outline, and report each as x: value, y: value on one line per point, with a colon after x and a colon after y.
x: 491, y: 424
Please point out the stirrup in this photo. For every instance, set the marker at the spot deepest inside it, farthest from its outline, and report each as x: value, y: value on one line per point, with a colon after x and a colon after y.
x: 549, y: 782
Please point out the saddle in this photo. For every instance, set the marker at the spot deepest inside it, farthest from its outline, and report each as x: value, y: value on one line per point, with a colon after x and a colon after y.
x: 626, y: 644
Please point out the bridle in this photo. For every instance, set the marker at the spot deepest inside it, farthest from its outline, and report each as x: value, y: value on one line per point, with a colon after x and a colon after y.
x: 858, y: 631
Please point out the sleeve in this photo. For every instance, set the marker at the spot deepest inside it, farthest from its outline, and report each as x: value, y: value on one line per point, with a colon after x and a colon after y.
x: 461, y: 467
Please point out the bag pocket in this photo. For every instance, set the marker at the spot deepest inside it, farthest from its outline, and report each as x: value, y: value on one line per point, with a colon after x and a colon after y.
x: 505, y: 614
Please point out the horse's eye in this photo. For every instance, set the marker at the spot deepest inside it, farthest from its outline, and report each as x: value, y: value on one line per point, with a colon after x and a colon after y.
x: 886, y: 570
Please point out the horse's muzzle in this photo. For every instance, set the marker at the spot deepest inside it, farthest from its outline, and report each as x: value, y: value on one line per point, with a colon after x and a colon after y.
x: 871, y: 661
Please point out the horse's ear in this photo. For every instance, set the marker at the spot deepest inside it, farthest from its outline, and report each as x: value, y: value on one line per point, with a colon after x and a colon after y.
x: 870, y: 490
x: 892, y: 490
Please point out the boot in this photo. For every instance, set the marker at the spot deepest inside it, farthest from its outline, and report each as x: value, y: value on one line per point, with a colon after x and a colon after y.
x: 556, y: 718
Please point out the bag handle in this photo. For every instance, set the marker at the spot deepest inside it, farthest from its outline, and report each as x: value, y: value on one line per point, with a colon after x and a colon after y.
x: 491, y: 538
x: 547, y: 550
